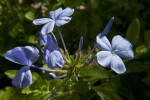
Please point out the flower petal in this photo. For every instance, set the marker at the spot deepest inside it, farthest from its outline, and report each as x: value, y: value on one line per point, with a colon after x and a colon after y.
x: 53, y: 76
x: 23, y: 55
x: 55, y: 13
x: 67, y: 19
x: 117, y: 64
x: 47, y: 28
x: 104, y: 58
x: 41, y: 21
x: 103, y: 43
x: 48, y: 41
x: 62, y: 21
x: 108, y: 26
x: 23, y: 77
x: 16, y: 55
x: 67, y: 12
x: 122, y: 47
x: 55, y: 59
x: 46, y: 55
x: 31, y: 53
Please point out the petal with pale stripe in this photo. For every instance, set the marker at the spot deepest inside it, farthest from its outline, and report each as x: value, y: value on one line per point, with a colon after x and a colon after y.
x: 117, y: 64
x: 103, y: 43
x: 23, y: 55
x: 41, y: 21
x: 23, y: 78
x: 54, y: 14
x: 104, y: 58
x: 47, y: 28
x: 67, y: 12
x: 122, y: 47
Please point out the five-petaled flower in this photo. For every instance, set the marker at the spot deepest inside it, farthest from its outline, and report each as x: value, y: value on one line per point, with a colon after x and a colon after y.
x: 58, y: 17
x: 110, y: 54
x: 24, y: 56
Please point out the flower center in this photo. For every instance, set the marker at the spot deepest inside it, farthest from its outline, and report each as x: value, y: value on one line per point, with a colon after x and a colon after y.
x: 112, y: 52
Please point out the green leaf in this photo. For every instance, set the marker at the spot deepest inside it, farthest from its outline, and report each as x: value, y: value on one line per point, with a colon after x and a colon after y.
x: 6, y: 93
x: 94, y: 3
x: 110, y: 86
x: 136, y: 66
x: 107, y: 95
x: 94, y: 74
x: 32, y: 39
x: 126, y: 93
x: 133, y: 31
x: 106, y: 91
x: 141, y: 49
x: 81, y: 86
x: 18, y: 28
x: 29, y: 15
x: 41, y: 96
x: 1, y: 23
x: 147, y: 80
x: 147, y: 38
x: 11, y: 73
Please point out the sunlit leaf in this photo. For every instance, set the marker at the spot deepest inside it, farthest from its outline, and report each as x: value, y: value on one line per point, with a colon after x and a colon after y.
x: 141, y: 49
x: 29, y: 15
x: 32, y: 39
x: 6, y: 94
x: 11, y: 73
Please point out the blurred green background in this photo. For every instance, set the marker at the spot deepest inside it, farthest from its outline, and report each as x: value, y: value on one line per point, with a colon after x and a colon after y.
x: 132, y: 20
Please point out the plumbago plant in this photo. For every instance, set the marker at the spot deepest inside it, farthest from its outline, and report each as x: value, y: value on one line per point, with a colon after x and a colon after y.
x: 69, y: 76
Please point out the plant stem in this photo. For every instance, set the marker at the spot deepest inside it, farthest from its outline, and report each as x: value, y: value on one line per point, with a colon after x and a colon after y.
x: 58, y: 88
x: 88, y: 54
x: 92, y: 50
x: 61, y: 37
x: 49, y: 70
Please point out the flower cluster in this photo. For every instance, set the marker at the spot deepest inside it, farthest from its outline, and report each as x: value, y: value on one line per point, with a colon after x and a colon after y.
x: 61, y: 62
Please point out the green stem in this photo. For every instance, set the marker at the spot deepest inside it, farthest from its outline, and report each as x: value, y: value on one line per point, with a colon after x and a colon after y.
x: 65, y: 80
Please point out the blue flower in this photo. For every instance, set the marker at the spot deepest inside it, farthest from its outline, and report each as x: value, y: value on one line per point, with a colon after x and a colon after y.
x: 58, y: 17
x: 51, y: 54
x: 24, y: 56
x: 110, y: 54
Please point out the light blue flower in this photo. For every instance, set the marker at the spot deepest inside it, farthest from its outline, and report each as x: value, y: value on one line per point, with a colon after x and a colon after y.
x: 25, y: 56
x: 51, y: 54
x: 110, y: 54
x: 58, y: 17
